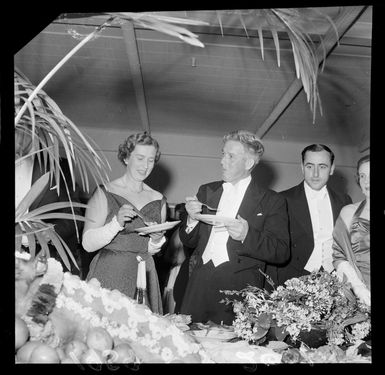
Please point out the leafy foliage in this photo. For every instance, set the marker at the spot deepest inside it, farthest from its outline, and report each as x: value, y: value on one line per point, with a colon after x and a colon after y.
x: 315, y: 301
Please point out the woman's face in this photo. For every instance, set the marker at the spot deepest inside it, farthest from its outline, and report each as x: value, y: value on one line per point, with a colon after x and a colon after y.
x: 141, y: 162
x: 364, y: 178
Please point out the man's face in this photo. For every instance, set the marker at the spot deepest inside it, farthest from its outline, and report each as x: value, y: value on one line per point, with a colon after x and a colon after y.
x: 317, y: 168
x: 236, y: 162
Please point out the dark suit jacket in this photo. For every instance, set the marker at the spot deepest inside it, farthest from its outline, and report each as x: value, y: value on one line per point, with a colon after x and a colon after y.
x: 301, y: 231
x: 64, y: 228
x: 267, y: 239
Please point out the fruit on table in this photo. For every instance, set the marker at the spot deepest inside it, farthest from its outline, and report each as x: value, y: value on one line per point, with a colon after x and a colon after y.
x: 44, y: 353
x: 92, y: 356
x: 122, y: 353
x: 21, y: 332
x: 23, y: 355
x: 75, y: 349
x: 99, y: 339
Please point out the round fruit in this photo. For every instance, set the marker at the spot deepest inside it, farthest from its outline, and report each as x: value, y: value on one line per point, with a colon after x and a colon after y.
x: 75, y: 349
x: 122, y: 353
x: 21, y: 332
x: 44, y: 354
x: 68, y: 360
x: 92, y: 356
x: 99, y: 339
x: 23, y: 355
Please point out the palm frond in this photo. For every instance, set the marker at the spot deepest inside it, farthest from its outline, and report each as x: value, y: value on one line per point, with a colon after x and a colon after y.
x: 243, y: 24
x: 260, y: 36
x: 276, y: 43
x: 219, y: 21
x: 304, y: 52
x: 53, y: 128
x: 30, y: 197
x: 291, y: 21
x: 34, y: 214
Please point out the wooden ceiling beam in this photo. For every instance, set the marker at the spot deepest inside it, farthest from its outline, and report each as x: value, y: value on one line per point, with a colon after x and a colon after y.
x: 136, y: 72
x: 344, y: 21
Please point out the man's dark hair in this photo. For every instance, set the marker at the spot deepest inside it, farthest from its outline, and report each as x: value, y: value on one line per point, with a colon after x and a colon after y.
x: 316, y: 147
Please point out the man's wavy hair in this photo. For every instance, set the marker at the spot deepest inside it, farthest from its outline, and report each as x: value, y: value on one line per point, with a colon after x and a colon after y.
x: 248, y: 139
x: 145, y: 139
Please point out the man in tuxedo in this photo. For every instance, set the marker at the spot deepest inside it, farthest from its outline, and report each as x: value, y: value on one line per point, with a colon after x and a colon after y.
x: 313, y: 208
x: 255, y: 231
x: 28, y: 169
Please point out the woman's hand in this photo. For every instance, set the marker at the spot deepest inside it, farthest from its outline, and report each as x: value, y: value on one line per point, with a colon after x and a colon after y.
x: 156, y: 236
x: 126, y: 213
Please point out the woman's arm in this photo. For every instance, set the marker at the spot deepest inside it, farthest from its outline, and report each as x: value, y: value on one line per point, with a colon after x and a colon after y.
x: 158, y: 239
x: 97, y: 233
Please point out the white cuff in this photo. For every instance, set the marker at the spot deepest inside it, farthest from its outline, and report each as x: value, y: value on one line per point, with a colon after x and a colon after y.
x: 96, y: 238
x: 154, y: 247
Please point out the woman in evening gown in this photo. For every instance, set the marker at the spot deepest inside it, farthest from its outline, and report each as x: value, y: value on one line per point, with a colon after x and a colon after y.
x: 115, y: 211
x: 351, y: 246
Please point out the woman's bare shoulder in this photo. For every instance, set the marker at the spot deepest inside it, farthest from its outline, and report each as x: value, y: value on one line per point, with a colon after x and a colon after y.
x: 348, y: 211
x: 154, y: 193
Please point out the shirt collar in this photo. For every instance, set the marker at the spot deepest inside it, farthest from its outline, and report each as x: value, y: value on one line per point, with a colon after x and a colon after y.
x: 315, y: 194
x: 240, y: 185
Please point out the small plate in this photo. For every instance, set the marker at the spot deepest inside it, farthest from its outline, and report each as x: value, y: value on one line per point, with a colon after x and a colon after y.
x: 214, y: 219
x: 157, y: 227
x: 220, y: 334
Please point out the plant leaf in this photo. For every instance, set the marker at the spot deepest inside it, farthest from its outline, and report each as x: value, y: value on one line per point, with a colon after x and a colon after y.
x: 280, y: 333
x: 54, y: 237
x: 276, y: 43
x: 51, y: 207
x: 260, y: 35
x: 30, y: 197
x: 219, y: 21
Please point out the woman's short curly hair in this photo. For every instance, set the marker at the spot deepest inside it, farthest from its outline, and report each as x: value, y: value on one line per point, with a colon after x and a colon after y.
x: 363, y: 160
x: 126, y: 148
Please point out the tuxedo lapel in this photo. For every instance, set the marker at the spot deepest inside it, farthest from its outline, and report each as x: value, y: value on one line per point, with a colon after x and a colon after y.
x: 251, y: 199
x: 213, y: 198
x: 335, y: 203
x: 301, y: 210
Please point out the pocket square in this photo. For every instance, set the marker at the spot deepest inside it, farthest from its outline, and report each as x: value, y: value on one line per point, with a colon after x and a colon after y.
x: 260, y: 214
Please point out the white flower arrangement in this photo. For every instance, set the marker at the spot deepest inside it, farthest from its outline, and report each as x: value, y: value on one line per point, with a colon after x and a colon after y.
x: 316, y: 301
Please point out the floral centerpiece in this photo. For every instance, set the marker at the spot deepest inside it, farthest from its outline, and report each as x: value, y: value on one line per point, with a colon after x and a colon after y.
x: 318, y: 302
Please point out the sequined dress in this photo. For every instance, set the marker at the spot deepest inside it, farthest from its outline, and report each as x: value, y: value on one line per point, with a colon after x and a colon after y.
x: 115, y: 265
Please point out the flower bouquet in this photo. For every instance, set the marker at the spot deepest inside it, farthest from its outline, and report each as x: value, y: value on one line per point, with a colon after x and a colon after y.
x: 314, y: 309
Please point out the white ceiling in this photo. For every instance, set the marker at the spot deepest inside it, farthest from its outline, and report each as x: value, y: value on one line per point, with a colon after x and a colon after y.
x: 224, y: 86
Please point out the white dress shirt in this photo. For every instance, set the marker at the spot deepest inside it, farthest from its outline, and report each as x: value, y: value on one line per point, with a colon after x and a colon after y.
x: 228, y: 206
x: 322, y: 223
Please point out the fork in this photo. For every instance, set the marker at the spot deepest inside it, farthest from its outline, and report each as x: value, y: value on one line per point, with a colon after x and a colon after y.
x: 210, y: 208
x: 145, y: 221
